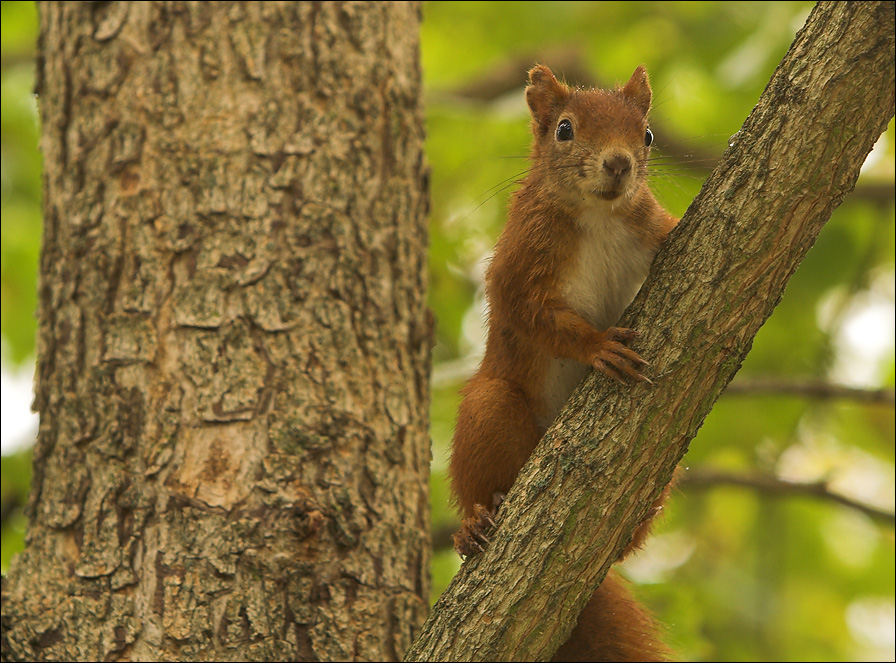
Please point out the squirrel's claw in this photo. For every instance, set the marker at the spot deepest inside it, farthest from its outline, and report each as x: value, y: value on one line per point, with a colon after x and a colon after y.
x: 473, y: 535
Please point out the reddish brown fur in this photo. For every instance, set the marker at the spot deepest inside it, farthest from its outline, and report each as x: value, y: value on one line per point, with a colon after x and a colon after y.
x: 579, y: 237
x: 613, y: 627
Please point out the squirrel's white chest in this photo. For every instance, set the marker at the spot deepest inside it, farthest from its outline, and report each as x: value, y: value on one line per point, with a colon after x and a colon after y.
x: 602, y: 279
x: 607, y: 271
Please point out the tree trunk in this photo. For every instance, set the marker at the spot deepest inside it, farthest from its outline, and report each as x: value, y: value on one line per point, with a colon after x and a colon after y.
x: 233, y: 355
x: 607, y: 457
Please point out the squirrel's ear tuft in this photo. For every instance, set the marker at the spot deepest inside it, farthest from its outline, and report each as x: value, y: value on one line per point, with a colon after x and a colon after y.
x: 638, y: 90
x: 544, y: 95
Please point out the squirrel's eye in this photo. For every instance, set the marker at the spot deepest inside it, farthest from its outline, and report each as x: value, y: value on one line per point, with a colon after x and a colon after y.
x: 564, y: 130
x: 648, y: 138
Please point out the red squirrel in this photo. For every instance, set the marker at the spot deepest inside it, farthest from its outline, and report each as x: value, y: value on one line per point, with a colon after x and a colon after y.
x: 580, y: 236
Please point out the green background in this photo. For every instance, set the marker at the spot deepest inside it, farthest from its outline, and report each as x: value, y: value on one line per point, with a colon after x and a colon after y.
x: 736, y: 573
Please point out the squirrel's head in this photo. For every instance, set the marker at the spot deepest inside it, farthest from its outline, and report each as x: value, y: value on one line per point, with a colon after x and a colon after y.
x: 590, y: 143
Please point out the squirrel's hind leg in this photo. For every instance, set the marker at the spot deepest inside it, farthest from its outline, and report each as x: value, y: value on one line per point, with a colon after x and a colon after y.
x: 496, y: 432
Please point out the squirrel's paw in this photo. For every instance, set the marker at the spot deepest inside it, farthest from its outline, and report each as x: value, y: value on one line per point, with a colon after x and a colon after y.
x: 473, y: 535
x: 613, y: 358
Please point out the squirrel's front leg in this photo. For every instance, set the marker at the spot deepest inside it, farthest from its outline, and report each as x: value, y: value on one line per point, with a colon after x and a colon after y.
x: 568, y: 334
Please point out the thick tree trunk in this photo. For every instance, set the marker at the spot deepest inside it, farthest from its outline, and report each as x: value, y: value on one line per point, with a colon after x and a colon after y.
x: 607, y: 457
x: 232, y: 377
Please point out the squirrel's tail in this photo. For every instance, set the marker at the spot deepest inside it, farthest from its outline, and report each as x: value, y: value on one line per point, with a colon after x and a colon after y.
x: 614, y: 627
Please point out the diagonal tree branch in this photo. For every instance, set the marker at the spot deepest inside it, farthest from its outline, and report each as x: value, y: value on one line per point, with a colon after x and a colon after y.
x: 601, y: 465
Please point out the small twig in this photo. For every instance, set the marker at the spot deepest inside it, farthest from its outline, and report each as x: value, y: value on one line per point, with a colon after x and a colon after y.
x: 811, y: 389
x: 771, y: 485
x: 708, y: 479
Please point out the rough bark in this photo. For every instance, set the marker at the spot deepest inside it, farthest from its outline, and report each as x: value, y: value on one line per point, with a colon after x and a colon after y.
x: 233, y: 454
x: 607, y: 457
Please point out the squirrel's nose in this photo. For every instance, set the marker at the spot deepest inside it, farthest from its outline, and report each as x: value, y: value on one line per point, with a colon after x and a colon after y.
x: 617, y: 165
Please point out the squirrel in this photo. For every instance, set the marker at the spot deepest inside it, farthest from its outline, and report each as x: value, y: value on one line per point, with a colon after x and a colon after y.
x: 581, y: 233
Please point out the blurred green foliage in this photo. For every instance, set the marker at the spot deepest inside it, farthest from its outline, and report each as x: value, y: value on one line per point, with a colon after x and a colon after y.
x: 20, y: 182
x: 20, y: 235
x: 737, y: 573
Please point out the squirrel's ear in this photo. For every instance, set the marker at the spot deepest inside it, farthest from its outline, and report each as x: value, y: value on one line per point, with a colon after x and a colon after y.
x: 638, y: 90
x: 544, y: 94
